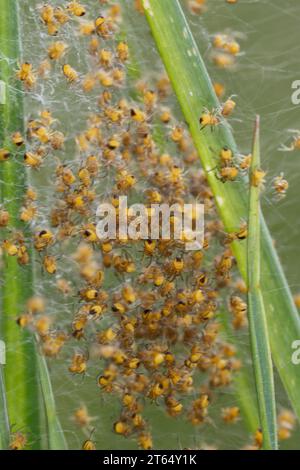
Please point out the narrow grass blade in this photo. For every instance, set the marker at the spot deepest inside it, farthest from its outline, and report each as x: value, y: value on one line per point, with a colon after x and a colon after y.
x: 56, y: 438
x: 16, y: 281
x: 259, y: 337
x: 23, y: 365
x: 195, y: 92
x: 244, y: 386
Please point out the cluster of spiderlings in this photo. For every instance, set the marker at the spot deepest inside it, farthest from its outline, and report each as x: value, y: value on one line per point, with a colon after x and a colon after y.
x: 225, y: 50
x: 147, y: 310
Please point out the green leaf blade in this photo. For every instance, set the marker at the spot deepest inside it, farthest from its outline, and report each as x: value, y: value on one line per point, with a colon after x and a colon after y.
x: 23, y: 367
x: 21, y: 383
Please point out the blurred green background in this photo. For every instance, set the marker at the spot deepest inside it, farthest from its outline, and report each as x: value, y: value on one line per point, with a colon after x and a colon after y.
x: 268, y: 32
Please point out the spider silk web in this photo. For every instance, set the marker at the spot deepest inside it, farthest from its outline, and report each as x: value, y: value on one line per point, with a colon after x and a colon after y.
x: 261, y: 80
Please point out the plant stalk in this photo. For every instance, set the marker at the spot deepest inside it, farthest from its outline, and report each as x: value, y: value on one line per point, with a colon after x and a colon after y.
x: 259, y: 335
x: 25, y: 372
x: 16, y: 286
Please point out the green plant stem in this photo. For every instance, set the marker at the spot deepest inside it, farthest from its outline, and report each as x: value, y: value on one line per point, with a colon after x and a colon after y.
x: 243, y: 383
x: 26, y: 373
x: 16, y: 286
x: 195, y: 92
x: 259, y: 336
